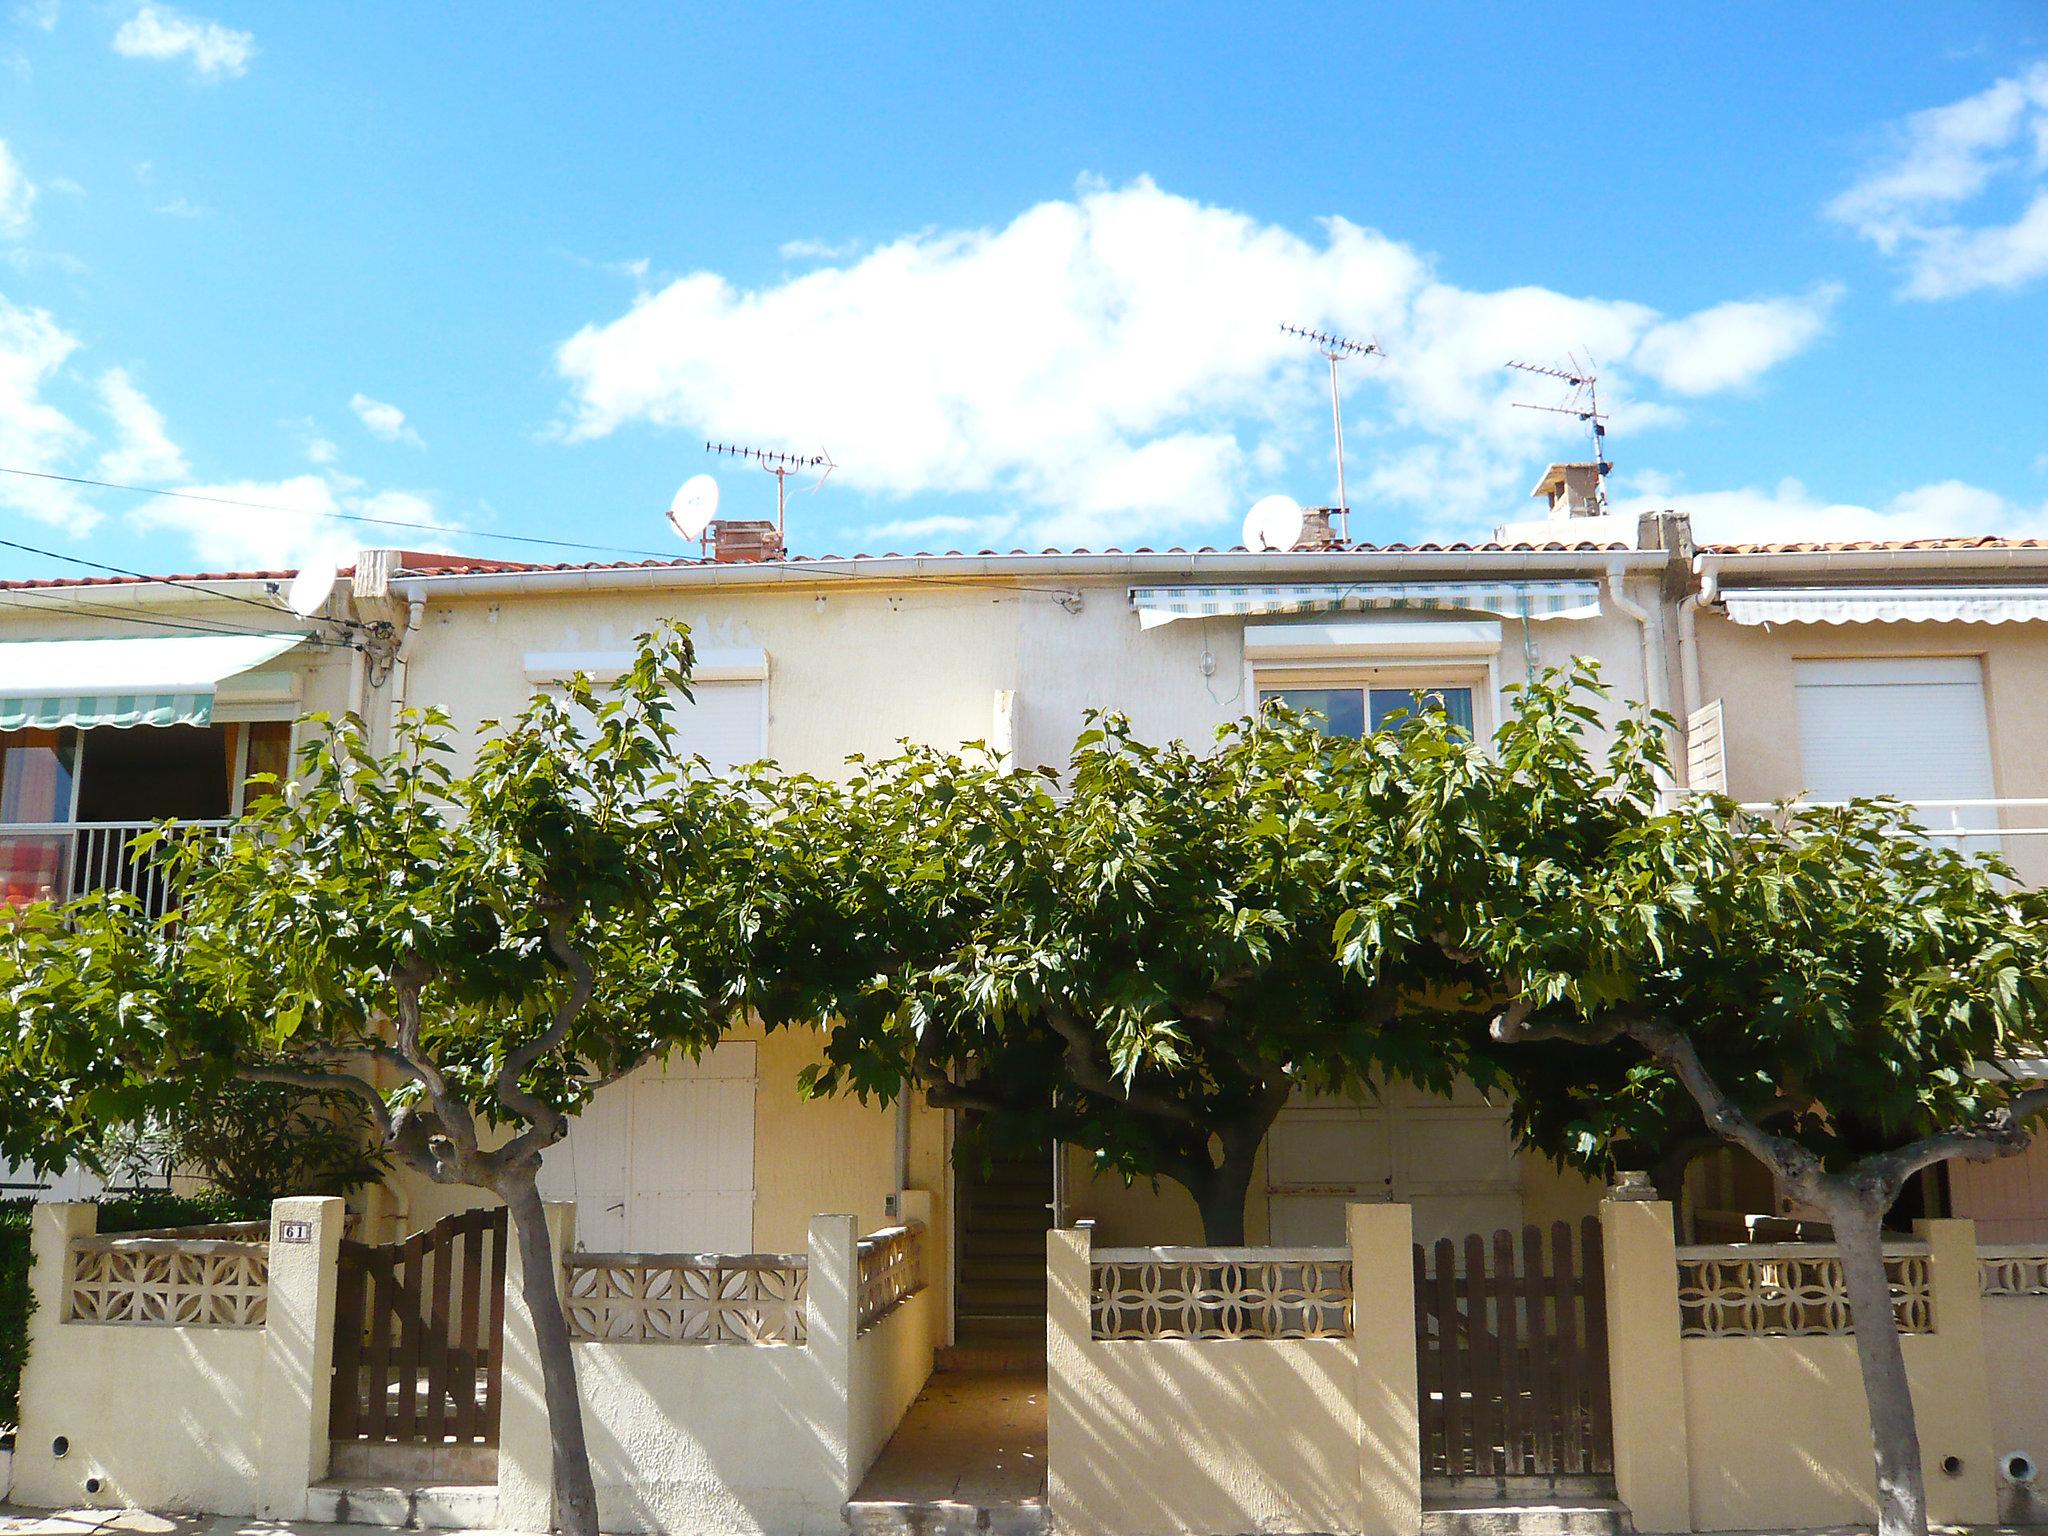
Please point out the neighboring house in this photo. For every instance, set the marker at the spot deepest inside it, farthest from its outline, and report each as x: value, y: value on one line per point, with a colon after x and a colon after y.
x: 1916, y: 669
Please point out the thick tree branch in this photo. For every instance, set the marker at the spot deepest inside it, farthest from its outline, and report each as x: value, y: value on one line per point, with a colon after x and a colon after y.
x: 321, y: 1082
x: 1093, y: 1077
x: 408, y: 981
x: 518, y: 1061
x: 2004, y: 1132
x: 1675, y: 1050
x: 1513, y: 1026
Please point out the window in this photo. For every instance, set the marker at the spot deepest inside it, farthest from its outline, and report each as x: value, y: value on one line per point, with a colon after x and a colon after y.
x: 1353, y: 711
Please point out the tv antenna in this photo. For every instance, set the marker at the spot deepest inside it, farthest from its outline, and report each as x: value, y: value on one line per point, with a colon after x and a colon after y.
x: 781, y: 466
x: 1336, y: 349
x: 1583, y: 403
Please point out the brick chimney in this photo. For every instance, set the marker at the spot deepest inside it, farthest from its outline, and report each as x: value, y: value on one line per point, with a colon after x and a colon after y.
x: 739, y: 543
x: 1573, y: 490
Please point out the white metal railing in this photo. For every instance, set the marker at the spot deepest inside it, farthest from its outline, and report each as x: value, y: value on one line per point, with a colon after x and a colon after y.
x: 1790, y: 1290
x: 1990, y: 824
x: 1220, y: 1293
x: 58, y: 860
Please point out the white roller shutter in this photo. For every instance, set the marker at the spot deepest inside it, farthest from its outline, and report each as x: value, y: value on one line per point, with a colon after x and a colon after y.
x: 663, y: 1161
x: 725, y: 723
x: 1914, y: 728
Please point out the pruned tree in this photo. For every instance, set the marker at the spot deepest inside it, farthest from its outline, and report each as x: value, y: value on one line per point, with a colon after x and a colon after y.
x: 467, y: 955
x: 1139, y: 956
x: 1830, y: 990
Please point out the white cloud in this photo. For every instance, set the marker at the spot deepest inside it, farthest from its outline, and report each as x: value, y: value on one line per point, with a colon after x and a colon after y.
x: 142, y: 451
x: 1111, y: 365
x: 1789, y: 512
x: 288, y: 523
x: 819, y: 250
x: 384, y: 420
x: 17, y: 195
x: 322, y: 450
x: 40, y: 14
x: 159, y: 32
x: 940, y: 529
x: 1733, y: 343
x: 35, y: 434
x: 180, y: 208
x: 1911, y: 204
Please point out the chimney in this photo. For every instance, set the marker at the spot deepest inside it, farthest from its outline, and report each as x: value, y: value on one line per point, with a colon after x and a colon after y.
x: 740, y: 543
x: 1315, y: 529
x: 1573, y: 490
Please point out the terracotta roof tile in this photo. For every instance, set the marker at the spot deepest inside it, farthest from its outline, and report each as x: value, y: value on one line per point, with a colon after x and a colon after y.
x: 1820, y: 547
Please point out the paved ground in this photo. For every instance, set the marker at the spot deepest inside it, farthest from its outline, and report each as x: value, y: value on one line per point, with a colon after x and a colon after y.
x: 972, y: 1437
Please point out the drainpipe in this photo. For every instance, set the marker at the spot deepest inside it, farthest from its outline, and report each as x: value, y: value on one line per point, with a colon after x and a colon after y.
x: 902, y: 1149
x: 1652, y: 639
x: 415, y: 612
x: 1706, y: 593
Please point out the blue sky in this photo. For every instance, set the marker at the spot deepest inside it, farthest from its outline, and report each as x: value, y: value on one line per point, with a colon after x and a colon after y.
x: 1020, y: 272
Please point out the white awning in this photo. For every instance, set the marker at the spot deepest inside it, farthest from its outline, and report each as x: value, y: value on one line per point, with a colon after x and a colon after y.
x: 1511, y: 599
x: 170, y: 681
x: 1886, y: 605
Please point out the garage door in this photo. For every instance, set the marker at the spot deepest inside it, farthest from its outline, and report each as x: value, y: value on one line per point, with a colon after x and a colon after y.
x: 1914, y: 728
x: 663, y: 1161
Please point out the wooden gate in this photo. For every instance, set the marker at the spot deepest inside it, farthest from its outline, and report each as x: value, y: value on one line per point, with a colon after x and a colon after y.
x: 1511, y: 1357
x: 417, y: 1335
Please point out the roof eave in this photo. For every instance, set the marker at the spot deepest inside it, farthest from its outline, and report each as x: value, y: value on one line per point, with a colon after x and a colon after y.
x: 997, y: 568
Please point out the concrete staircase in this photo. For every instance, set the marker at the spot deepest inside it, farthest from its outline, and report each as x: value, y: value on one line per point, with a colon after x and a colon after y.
x: 1524, y: 1514
x: 408, y: 1487
x: 1005, y: 1210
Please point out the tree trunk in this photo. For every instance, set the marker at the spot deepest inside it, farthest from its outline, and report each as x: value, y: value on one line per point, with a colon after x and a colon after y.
x: 1894, y: 1434
x: 575, y: 1490
x: 1221, y: 1199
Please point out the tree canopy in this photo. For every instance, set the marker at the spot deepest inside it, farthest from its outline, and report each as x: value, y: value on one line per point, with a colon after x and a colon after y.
x: 468, y: 954
x: 1844, y: 998
x: 1139, y: 956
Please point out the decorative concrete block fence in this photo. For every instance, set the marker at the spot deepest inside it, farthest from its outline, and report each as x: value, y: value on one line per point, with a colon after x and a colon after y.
x: 1738, y: 1403
x: 725, y: 1393
x: 1219, y: 1389
x: 178, y: 1372
x: 721, y: 1394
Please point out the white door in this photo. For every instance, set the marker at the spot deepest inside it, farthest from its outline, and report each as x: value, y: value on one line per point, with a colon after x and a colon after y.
x: 663, y: 1161
x: 1913, y: 727
x: 1452, y: 1160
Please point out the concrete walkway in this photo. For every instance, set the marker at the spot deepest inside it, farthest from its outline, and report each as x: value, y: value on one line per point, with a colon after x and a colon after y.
x: 975, y: 1437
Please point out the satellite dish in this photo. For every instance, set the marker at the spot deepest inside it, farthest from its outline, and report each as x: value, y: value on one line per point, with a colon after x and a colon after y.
x: 694, y: 507
x: 311, y: 588
x: 1274, y: 522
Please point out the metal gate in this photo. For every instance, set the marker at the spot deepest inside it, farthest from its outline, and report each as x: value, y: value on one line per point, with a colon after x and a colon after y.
x: 1511, y: 1357
x: 417, y: 1335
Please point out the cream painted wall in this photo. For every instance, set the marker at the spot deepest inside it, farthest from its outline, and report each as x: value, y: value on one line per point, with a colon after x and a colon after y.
x: 2016, y: 1369
x: 1750, y: 668
x: 855, y: 666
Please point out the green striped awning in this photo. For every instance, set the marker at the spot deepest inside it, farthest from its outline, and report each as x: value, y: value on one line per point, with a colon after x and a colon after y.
x: 1510, y: 599
x: 19, y: 713
x: 167, y: 681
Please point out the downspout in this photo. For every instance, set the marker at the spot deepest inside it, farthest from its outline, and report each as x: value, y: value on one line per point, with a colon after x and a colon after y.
x: 1706, y: 592
x: 1651, y: 639
x: 415, y: 612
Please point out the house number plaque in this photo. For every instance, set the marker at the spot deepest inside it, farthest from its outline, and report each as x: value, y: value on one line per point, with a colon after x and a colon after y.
x: 295, y: 1231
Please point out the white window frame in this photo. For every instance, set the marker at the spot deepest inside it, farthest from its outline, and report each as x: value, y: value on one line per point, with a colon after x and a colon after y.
x: 1418, y: 676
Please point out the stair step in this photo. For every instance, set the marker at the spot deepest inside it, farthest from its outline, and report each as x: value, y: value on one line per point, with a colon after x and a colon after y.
x: 446, y: 1507
x: 1566, y: 1516
x: 945, y: 1517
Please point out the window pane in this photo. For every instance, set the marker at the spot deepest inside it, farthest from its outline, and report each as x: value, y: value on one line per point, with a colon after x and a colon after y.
x: 35, y: 775
x: 1342, y: 709
x: 1454, y: 703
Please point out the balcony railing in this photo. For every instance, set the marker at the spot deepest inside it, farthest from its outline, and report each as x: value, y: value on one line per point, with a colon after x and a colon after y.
x: 1976, y: 823
x: 58, y: 860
